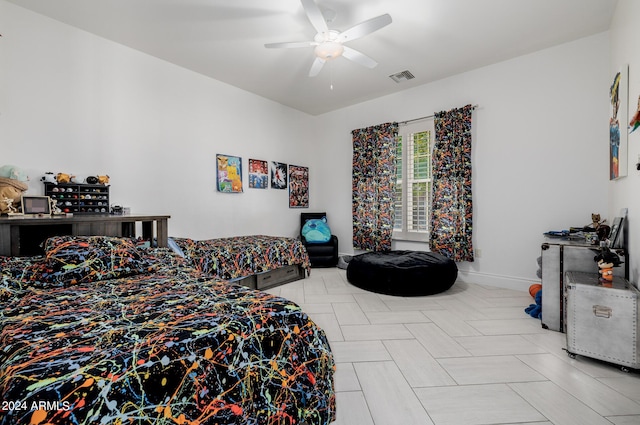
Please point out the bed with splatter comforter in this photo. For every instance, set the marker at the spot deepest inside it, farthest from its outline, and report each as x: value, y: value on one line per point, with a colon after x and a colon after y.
x: 98, y: 331
x: 242, y: 256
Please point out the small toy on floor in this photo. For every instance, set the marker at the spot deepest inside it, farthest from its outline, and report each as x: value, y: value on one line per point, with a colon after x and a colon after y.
x: 533, y: 289
x: 535, y: 310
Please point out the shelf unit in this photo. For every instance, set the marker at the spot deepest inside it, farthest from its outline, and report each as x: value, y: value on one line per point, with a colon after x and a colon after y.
x: 79, y: 198
x: 23, y: 235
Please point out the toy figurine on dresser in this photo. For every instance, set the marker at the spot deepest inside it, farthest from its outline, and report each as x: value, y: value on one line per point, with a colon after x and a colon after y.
x: 606, y: 261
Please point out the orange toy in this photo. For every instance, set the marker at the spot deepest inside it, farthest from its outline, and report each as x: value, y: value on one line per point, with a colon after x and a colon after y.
x: 533, y: 289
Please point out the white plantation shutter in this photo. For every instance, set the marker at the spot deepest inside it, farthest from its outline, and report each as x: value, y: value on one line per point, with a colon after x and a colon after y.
x: 413, y: 190
x: 398, y: 202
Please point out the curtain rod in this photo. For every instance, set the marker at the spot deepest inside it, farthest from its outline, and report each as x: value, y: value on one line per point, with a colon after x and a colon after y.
x: 424, y: 118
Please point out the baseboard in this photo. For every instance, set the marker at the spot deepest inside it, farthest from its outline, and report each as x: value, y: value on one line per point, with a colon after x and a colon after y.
x: 500, y: 281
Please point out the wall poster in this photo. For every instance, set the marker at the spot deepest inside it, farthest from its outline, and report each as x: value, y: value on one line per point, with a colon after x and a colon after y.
x: 298, y: 187
x: 278, y: 175
x: 229, y: 173
x: 258, y: 174
x: 635, y: 120
x: 618, y: 139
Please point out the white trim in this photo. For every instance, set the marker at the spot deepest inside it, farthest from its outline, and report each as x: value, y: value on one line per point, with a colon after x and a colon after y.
x: 500, y: 281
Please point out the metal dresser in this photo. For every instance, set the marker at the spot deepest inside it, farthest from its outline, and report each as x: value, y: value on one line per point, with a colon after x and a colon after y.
x: 602, y: 322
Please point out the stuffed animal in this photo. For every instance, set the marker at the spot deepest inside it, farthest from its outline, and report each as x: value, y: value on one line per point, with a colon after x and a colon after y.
x: 76, y: 179
x: 14, y: 173
x: 12, y: 185
x: 91, y: 180
x: 10, y: 194
x: 535, y: 310
x: 9, y: 197
x: 63, y: 178
x: 49, y: 177
x: 316, y: 231
x: 103, y: 179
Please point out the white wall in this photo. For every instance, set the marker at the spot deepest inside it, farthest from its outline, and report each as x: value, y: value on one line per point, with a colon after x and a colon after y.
x: 540, y: 151
x: 73, y: 102
x: 625, y: 192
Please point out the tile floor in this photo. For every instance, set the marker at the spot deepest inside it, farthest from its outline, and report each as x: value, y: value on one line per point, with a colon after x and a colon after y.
x: 465, y: 357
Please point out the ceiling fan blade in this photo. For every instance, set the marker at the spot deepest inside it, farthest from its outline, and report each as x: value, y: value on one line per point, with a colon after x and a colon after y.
x: 315, y: 15
x: 358, y: 57
x: 316, y: 67
x: 364, y: 28
x: 290, y: 44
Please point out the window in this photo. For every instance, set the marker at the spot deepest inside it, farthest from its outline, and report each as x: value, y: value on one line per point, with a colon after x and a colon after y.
x: 413, y: 187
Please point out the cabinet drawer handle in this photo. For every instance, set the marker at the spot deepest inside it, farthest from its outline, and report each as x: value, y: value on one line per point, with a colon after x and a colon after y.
x: 602, y: 311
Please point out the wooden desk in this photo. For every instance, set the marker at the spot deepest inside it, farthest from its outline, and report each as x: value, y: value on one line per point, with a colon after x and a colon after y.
x: 23, y: 236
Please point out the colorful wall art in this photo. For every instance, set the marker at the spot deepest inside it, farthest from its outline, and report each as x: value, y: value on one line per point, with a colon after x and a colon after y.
x: 258, y: 174
x: 618, y: 140
x: 635, y: 120
x: 298, y: 187
x: 278, y: 175
x: 229, y: 173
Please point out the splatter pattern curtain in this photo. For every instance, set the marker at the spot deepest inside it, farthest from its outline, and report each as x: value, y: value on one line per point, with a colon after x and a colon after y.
x: 374, y: 180
x: 451, y: 214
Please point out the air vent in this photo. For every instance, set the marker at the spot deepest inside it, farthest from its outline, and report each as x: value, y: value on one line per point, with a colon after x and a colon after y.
x: 402, y: 76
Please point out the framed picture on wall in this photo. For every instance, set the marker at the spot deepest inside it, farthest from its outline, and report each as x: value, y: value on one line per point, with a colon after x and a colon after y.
x: 258, y: 174
x: 618, y: 119
x: 298, y: 187
x: 229, y: 173
x: 278, y: 175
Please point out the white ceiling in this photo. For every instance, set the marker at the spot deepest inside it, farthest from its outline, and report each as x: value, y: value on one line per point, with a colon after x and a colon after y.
x: 433, y: 39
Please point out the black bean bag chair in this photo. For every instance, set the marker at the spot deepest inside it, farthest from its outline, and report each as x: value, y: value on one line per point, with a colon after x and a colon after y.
x: 405, y: 273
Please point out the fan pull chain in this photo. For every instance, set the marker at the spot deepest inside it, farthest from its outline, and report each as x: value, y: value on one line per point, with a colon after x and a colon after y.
x: 331, y: 76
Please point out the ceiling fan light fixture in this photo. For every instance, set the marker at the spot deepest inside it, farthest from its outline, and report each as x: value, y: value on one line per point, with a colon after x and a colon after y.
x: 329, y: 43
x: 329, y: 50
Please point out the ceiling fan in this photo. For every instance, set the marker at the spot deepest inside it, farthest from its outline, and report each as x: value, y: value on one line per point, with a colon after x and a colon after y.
x: 329, y: 44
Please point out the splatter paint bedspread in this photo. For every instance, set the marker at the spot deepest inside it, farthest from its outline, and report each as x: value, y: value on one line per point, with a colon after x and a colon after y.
x: 231, y: 258
x: 167, y: 346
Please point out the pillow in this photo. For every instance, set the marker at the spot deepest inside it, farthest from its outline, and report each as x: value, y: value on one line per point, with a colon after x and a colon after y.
x: 316, y: 230
x: 21, y: 272
x: 81, y: 259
